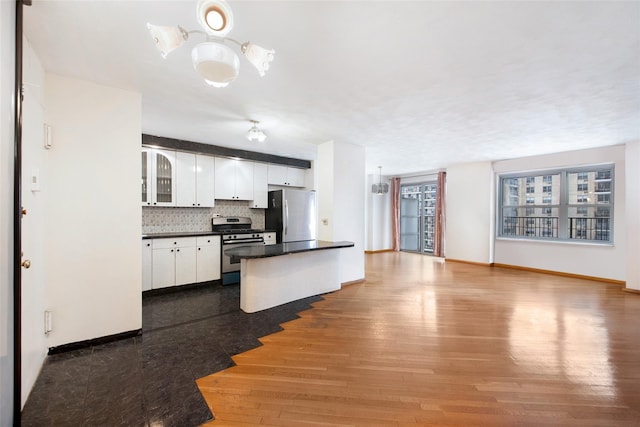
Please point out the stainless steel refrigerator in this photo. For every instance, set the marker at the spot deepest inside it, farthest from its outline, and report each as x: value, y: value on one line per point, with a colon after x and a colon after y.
x: 292, y: 215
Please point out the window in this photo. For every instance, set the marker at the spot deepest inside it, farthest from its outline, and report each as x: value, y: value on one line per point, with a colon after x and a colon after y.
x: 560, y: 209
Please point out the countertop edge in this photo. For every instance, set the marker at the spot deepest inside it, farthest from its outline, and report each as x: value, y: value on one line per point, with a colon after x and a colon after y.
x: 272, y: 250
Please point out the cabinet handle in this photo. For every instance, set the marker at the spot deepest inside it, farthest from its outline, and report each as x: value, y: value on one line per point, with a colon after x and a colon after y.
x: 177, y: 250
x: 171, y: 250
x: 199, y: 248
x: 208, y: 241
x: 148, y: 244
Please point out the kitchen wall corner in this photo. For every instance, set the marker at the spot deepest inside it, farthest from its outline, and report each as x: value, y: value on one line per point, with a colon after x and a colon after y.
x: 169, y: 219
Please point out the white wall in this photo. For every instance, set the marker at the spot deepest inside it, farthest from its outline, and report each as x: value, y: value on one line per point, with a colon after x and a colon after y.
x: 7, y: 81
x: 469, y: 212
x: 603, y: 261
x: 632, y: 168
x: 93, y: 210
x: 34, y: 158
x: 341, y: 182
x: 378, y: 217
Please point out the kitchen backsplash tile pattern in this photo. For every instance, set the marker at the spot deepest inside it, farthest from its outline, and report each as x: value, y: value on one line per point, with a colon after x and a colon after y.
x: 168, y: 220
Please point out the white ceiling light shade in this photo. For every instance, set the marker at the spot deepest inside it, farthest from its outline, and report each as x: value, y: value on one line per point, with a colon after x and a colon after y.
x: 380, y: 188
x: 258, y: 56
x: 212, y: 59
x: 216, y: 63
x: 215, y: 17
x: 255, y: 134
x: 167, y: 38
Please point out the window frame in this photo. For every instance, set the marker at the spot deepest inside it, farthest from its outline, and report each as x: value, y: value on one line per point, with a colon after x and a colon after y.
x: 563, y: 205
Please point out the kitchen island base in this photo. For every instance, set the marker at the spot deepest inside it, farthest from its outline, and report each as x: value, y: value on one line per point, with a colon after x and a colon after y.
x: 272, y: 281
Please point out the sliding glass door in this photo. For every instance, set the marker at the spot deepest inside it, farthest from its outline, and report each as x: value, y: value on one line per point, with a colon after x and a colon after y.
x: 417, y: 217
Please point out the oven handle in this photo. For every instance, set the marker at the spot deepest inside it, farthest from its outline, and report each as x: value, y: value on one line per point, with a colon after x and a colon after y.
x: 238, y: 242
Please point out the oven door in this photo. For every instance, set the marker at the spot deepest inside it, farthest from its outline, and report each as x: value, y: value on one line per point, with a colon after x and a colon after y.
x: 227, y: 265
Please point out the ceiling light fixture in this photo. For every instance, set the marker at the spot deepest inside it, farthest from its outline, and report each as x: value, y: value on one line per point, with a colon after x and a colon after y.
x: 255, y: 134
x: 213, y: 59
x: 380, y: 188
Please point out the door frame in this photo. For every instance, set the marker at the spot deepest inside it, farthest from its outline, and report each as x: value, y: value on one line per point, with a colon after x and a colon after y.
x: 17, y: 217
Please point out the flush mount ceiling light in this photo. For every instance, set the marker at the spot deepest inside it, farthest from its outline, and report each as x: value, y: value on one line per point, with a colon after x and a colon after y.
x: 213, y: 59
x: 380, y: 188
x: 255, y: 134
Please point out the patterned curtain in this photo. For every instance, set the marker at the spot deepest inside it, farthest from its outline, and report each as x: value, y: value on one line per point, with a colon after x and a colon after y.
x: 438, y: 243
x: 395, y: 214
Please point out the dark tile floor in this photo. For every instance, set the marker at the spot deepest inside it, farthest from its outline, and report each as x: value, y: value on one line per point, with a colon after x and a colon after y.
x: 149, y: 380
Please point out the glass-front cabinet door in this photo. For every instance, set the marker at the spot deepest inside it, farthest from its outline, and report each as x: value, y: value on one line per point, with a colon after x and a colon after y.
x: 158, y: 178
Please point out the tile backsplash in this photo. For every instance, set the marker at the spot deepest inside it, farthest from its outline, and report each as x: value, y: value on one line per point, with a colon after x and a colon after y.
x: 167, y: 219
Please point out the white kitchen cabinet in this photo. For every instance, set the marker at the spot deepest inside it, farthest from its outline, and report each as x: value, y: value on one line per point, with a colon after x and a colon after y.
x: 205, y: 180
x: 158, y: 177
x: 208, y: 258
x: 164, y: 268
x: 260, y: 186
x: 174, y: 262
x: 195, y: 177
x: 147, y: 264
x: 286, y: 176
x: 269, y: 238
x: 185, y: 265
x: 233, y: 179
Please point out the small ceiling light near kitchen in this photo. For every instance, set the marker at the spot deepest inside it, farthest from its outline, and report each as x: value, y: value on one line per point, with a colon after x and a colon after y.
x: 380, y: 188
x: 255, y: 134
x: 213, y: 59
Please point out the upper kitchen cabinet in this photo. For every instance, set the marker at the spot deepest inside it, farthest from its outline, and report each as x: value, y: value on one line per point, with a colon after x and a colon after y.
x: 195, y: 179
x: 158, y: 177
x: 287, y: 176
x: 260, y: 187
x: 233, y: 179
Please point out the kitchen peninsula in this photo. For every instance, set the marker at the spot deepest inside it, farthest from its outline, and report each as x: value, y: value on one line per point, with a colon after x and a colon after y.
x: 271, y: 275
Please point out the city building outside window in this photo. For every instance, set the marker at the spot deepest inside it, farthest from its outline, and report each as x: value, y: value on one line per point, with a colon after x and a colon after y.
x: 558, y: 205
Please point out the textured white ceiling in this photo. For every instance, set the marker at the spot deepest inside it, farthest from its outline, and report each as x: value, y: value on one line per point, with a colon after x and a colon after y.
x: 420, y: 84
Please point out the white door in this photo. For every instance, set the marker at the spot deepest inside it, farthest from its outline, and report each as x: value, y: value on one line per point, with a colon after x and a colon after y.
x: 185, y: 179
x: 34, y: 188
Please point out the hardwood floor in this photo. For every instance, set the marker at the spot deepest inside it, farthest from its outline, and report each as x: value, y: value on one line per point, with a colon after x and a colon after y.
x: 424, y: 342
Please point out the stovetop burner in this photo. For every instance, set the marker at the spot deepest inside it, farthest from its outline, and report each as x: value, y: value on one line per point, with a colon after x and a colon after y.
x: 233, y: 225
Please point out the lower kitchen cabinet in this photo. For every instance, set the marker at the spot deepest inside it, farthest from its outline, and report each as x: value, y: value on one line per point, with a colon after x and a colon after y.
x: 180, y: 261
x: 147, y: 265
x: 208, y: 258
x: 269, y: 238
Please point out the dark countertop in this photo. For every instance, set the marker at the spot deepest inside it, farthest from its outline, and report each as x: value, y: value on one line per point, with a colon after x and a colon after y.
x: 252, y: 252
x: 188, y: 234
x: 179, y: 234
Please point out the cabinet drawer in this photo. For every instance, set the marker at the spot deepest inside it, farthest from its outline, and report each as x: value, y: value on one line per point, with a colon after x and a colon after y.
x: 174, y: 243
x: 207, y: 240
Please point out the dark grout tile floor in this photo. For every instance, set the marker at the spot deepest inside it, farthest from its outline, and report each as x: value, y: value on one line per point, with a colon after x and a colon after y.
x: 149, y: 380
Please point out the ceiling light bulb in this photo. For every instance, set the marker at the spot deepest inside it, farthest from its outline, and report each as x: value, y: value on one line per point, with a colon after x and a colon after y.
x: 216, y: 63
x: 167, y: 38
x: 258, y: 56
x: 214, y: 16
x: 215, y: 20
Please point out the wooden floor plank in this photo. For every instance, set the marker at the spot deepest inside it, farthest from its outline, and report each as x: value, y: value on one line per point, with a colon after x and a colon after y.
x: 423, y: 342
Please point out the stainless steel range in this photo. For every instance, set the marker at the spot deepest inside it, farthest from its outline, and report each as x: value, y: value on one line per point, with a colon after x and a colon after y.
x: 236, y: 231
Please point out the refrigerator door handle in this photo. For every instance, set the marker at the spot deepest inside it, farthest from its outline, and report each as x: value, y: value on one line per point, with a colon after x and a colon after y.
x: 286, y: 216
